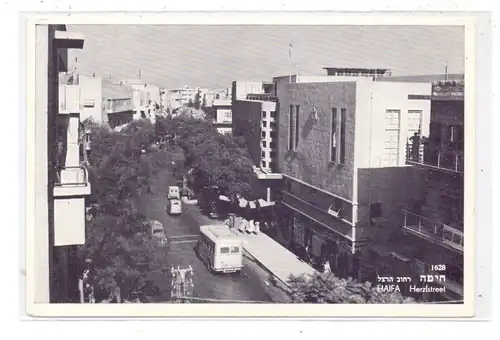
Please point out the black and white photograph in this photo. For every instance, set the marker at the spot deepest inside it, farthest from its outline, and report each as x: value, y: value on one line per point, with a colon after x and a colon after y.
x: 250, y: 164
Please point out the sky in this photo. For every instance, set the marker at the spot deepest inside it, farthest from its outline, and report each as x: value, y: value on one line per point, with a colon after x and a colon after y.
x: 213, y: 56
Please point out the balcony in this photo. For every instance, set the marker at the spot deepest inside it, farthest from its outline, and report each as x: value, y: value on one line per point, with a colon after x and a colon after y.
x: 338, y: 226
x: 69, y: 99
x: 72, y: 181
x: 434, y: 231
x: 434, y: 157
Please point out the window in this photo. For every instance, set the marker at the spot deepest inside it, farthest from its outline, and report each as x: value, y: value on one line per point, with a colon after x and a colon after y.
x: 235, y: 249
x: 297, y: 111
x: 273, y: 155
x: 264, y: 144
x: 88, y: 103
x: 263, y: 114
x: 224, y: 250
x: 263, y: 134
x: 273, y: 114
x: 264, y: 124
x: 263, y: 154
x: 273, y: 135
x: 272, y: 145
x: 335, y: 208
x: 342, y: 136
x: 291, y: 136
x: 375, y: 210
x: 273, y: 125
x: 333, y: 136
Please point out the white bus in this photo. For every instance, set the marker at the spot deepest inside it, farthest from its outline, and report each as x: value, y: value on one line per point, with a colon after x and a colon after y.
x: 220, y: 249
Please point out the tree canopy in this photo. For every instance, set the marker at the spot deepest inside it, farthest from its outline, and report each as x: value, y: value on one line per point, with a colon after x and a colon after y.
x: 327, y: 288
x: 215, y: 159
x: 122, y: 253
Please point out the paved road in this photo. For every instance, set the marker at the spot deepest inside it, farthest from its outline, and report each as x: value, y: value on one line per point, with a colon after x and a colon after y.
x: 244, y: 286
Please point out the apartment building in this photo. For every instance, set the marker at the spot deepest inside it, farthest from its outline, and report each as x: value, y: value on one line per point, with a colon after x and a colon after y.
x: 437, y: 217
x: 223, y: 116
x: 342, y: 155
x: 145, y: 98
x: 61, y: 181
x: 180, y: 97
x: 255, y: 119
x: 118, y: 103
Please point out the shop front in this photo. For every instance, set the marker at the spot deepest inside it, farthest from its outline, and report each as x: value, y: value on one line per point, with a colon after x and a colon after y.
x: 315, y: 244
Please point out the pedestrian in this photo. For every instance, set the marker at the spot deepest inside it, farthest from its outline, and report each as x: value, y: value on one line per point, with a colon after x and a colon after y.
x: 326, y: 267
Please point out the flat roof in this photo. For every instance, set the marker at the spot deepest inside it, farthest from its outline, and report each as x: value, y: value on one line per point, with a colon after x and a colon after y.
x: 435, y: 98
x: 357, y: 69
x: 218, y: 232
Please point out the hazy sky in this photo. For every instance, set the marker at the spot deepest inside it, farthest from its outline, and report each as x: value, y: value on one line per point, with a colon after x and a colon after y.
x: 214, y: 56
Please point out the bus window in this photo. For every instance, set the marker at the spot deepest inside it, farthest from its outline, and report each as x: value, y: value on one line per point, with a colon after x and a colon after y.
x: 235, y: 249
x: 224, y: 250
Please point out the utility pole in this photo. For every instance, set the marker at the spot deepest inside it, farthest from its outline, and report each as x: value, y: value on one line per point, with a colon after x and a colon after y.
x: 182, y: 284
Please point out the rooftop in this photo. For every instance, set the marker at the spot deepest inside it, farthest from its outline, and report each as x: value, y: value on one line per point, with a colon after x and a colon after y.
x: 356, y: 69
x: 116, y: 91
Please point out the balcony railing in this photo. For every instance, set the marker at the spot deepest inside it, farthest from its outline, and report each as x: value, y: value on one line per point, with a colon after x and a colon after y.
x: 72, y: 181
x: 72, y: 176
x: 262, y: 96
x: 435, y: 157
x: 434, y: 231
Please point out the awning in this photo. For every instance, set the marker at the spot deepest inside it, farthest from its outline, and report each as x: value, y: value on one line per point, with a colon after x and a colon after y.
x: 263, y: 203
x: 243, y: 203
x: 224, y: 198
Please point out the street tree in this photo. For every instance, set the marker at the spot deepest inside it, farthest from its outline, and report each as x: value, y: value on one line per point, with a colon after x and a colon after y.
x: 327, y: 288
x: 197, y: 100
x: 214, y: 159
x: 118, y: 242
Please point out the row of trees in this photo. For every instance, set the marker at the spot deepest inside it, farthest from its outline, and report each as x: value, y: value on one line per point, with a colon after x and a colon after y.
x: 214, y: 159
x: 122, y: 256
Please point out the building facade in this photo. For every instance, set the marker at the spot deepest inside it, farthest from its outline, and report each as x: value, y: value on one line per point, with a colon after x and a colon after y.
x: 437, y: 219
x: 341, y: 145
x: 61, y: 181
x: 118, y: 103
x: 223, y: 116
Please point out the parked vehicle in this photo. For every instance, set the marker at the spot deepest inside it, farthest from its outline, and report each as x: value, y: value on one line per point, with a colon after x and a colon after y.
x: 174, y: 192
x: 157, y: 232
x: 220, y: 249
x: 174, y: 207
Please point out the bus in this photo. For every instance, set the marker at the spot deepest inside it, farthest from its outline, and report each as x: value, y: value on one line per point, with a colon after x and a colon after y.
x: 220, y: 249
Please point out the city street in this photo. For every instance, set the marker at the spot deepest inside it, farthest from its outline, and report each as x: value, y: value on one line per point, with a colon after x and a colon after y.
x: 183, y: 231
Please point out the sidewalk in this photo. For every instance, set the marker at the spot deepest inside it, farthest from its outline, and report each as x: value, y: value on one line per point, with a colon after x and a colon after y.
x: 274, y: 257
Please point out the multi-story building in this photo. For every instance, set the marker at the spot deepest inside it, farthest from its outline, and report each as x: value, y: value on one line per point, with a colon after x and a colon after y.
x: 61, y: 181
x: 146, y: 98
x: 341, y: 151
x: 178, y: 98
x: 223, y: 116
x: 437, y: 217
x: 118, y: 103
x: 255, y: 119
